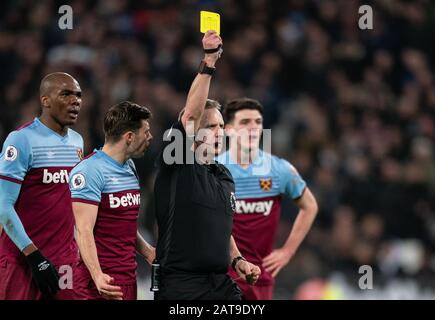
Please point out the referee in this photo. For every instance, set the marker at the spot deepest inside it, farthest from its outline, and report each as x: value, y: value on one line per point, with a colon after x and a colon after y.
x: 195, y: 201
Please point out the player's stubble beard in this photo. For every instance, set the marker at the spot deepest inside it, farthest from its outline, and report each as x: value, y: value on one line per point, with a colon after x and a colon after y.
x: 140, y: 150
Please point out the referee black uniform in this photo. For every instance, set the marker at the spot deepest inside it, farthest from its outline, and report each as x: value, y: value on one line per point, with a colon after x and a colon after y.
x: 194, y: 210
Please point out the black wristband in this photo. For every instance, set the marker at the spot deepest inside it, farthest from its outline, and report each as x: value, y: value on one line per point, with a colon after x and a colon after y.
x: 235, y: 260
x: 204, y: 69
x: 213, y: 50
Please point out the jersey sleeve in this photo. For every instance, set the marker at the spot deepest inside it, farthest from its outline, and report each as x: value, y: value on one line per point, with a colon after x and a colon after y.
x: 293, y: 186
x: 9, y: 193
x: 15, y: 158
x: 86, y: 183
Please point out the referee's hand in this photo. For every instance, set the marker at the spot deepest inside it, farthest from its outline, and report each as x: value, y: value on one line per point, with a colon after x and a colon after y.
x: 211, y: 40
x: 248, y: 271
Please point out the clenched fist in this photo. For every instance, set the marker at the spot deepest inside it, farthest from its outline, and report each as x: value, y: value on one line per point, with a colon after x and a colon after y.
x: 211, y: 40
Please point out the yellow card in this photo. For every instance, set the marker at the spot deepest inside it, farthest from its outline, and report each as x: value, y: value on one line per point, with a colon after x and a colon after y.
x: 210, y: 21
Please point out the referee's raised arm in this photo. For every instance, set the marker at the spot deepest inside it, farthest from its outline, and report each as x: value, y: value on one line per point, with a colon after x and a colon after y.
x: 195, y: 203
x: 198, y: 93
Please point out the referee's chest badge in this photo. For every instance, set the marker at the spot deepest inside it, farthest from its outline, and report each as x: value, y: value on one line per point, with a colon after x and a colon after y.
x: 266, y: 184
x: 233, y: 201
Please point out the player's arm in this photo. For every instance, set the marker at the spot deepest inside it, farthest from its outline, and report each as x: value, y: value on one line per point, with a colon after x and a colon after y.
x: 43, y: 271
x: 47, y: 280
x: 307, y: 204
x: 145, y: 249
x: 198, y: 93
x: 86, y: 183
x: 85, y: 215
x: 9, y: 192
x: 246, y: 270
x: 14, y: 163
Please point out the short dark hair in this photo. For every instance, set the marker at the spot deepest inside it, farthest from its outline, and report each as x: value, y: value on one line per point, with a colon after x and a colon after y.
x: 122, y: 117
x: 209, y: 104
x: 232, y: 106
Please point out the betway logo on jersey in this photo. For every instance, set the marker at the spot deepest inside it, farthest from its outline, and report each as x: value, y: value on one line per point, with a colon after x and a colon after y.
x: 263, y: 207
x: 124, y: 201
x: 55, y: 177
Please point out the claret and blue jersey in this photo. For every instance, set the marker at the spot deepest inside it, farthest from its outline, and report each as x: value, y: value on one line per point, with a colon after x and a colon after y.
x: 39, y: 160
x: 259, y: 191
x: 114, y: 188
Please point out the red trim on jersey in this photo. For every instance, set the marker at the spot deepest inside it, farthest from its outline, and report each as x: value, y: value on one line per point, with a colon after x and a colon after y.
x: 11, y: 179
x: 121, y: 192
x: 88, y: 156
x: 96, y: 203
x: 24, y: 125
x: 302, y: 193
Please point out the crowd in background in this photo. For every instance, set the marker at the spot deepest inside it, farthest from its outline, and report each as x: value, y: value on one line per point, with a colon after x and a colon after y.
x: 353, y: 110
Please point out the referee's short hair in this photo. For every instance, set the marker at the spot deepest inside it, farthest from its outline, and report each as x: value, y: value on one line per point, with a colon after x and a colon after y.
x: 209, y: 104
x: 122, y: 117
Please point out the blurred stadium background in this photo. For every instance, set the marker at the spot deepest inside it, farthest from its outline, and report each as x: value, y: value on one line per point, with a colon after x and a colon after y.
x: 352, y: 109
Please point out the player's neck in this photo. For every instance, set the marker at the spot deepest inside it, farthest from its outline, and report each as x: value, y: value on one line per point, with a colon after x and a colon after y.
x: 52, y: 124
x: 116, y: 153
x: 243, y: 158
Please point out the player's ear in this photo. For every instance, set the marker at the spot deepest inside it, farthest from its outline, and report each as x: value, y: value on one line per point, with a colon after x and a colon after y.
x: 128, y: 137
x: 45, y: 101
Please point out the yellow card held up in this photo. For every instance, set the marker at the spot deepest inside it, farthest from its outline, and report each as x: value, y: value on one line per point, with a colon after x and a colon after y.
x: 210, y: 21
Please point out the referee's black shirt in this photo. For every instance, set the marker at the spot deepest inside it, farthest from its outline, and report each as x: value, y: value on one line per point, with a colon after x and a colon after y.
x: 194, y: 232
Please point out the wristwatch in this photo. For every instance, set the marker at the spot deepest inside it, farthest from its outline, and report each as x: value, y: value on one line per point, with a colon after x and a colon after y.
x: 235, y: 260
x: 204, y: 69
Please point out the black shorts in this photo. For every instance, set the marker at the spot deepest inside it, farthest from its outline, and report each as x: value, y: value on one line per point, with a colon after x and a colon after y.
x: 192, y: 286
